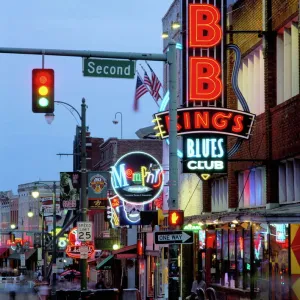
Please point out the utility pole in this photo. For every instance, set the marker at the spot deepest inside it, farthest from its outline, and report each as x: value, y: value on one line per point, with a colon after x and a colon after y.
x: 84, y: 204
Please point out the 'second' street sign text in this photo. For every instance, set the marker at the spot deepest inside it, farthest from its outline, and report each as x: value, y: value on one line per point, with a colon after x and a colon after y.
x: 108, y: 68
x: 174, y: 237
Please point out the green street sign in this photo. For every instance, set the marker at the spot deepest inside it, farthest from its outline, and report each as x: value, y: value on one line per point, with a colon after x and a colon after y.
x: 108, y: 68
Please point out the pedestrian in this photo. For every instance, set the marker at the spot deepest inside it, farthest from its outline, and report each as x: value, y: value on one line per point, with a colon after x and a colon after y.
x: 197, y: 284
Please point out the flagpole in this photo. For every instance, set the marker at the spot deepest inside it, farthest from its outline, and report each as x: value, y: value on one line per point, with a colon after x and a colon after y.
x: 146, y: 85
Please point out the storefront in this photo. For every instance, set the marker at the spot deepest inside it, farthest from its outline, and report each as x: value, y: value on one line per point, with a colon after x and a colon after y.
x: 250, y: 259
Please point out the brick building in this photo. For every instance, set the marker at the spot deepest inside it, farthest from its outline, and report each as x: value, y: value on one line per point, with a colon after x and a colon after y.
x: 249, y: 239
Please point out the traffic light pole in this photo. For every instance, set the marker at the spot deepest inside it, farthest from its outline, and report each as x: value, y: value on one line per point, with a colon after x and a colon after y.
x: 84, y: 204
x: 170, y: 59
x: 53, y: 292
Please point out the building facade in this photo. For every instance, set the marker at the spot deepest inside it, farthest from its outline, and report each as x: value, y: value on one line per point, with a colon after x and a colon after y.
x: 247, y: 220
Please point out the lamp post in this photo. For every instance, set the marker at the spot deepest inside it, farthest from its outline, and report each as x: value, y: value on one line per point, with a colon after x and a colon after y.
x: 115, y: 121
x: 35, y: 194
x: 83, y: 179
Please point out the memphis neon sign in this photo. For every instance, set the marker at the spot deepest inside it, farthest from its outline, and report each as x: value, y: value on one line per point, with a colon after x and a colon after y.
x: 137, y: 177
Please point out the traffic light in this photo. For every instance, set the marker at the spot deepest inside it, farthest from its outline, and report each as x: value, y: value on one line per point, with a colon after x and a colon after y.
x: 175, y: 217
x: 43, y: 90
x: 37, y: 243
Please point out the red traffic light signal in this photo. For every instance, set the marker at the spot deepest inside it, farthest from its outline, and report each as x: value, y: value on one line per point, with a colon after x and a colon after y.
x: 176, y: 217
x: 43, y: 90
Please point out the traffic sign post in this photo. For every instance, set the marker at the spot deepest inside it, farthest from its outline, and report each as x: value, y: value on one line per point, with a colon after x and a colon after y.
x: 84, y: 231
x: 84, y: 252
x: 171, y: 59
x: 174, y: 237
x: 108, y: 68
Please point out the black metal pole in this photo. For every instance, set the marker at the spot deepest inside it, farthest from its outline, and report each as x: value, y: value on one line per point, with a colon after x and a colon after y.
x: 54, y: 244
x: 44, y: 271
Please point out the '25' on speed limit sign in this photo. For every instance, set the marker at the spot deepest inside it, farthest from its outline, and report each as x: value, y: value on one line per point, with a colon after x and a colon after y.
x: 85, y: 231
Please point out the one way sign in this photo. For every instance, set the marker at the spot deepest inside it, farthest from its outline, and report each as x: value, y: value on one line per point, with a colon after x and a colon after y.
x: 174, y: 237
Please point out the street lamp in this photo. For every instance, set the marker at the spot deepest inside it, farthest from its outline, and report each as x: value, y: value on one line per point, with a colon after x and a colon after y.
x: 175, y: 25
x: 115, y: 121
x: 83, y: 197
x: 13, y: 226
x: 35, y: 194
x: 30, y: 213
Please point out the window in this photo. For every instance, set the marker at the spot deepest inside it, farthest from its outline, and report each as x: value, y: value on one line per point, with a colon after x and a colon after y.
x: 287, y: 62
x: 289, y: 179
x: 252, y: 187
x: 220, y: 194
x: 251, y: 81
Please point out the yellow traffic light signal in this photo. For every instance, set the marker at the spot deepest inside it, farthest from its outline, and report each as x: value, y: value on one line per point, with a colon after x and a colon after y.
x: 43, y: 90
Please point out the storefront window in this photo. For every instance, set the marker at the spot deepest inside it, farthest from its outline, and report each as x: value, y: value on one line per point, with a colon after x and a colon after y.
x: 219, y: 255
x: 279, y: 247
x: 247, y: 261
x: 261, y: 259
x: 239, y: 257
x: 225, y: 262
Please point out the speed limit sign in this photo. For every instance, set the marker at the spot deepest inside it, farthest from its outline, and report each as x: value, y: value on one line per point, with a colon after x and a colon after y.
x: 84, y: 231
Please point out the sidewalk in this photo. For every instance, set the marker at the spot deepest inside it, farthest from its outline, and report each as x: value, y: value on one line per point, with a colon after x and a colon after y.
x: 75, y: 285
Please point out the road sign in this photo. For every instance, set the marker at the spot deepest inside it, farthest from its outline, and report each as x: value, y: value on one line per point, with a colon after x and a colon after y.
x: 84, y: 231
x: 108, y: 68
x: 174, y: 237
x: 84, y: 252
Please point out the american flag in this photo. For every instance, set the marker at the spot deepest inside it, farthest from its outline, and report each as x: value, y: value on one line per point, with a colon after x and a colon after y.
x: 147, y: 80
x: 140, y: 90
x: 155, y: 84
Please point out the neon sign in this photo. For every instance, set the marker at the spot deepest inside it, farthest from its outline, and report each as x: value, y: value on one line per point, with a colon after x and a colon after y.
x: 202, y: 63
x: 206, y: 120
x: 204, y: 154
x: 137, y: 177
x: 73, y: 248
x: 114, y: 211
x: 204, y: 72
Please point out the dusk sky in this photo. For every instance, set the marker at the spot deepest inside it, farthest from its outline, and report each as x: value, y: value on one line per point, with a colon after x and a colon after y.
x: 28, y: 144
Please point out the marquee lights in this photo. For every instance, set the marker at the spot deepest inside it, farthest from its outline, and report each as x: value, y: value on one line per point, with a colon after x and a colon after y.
x: 137, y: 177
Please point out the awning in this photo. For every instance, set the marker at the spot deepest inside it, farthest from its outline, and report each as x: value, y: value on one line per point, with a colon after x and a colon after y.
x: 106, y: 264
x: 126, y: 252
x: 16, y: 255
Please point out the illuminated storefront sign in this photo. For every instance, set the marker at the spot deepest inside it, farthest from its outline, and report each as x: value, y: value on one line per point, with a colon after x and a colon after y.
x: 73, y: 248
x: 130, y: 213
x: 202, y: 86
x: 207, y: 120
x: 113, y: 211
x: 204, y: 154
x: 194, y: 227
x: 137, y: 177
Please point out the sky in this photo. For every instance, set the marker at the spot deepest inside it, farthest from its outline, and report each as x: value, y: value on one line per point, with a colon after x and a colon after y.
x: 29, y: 146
